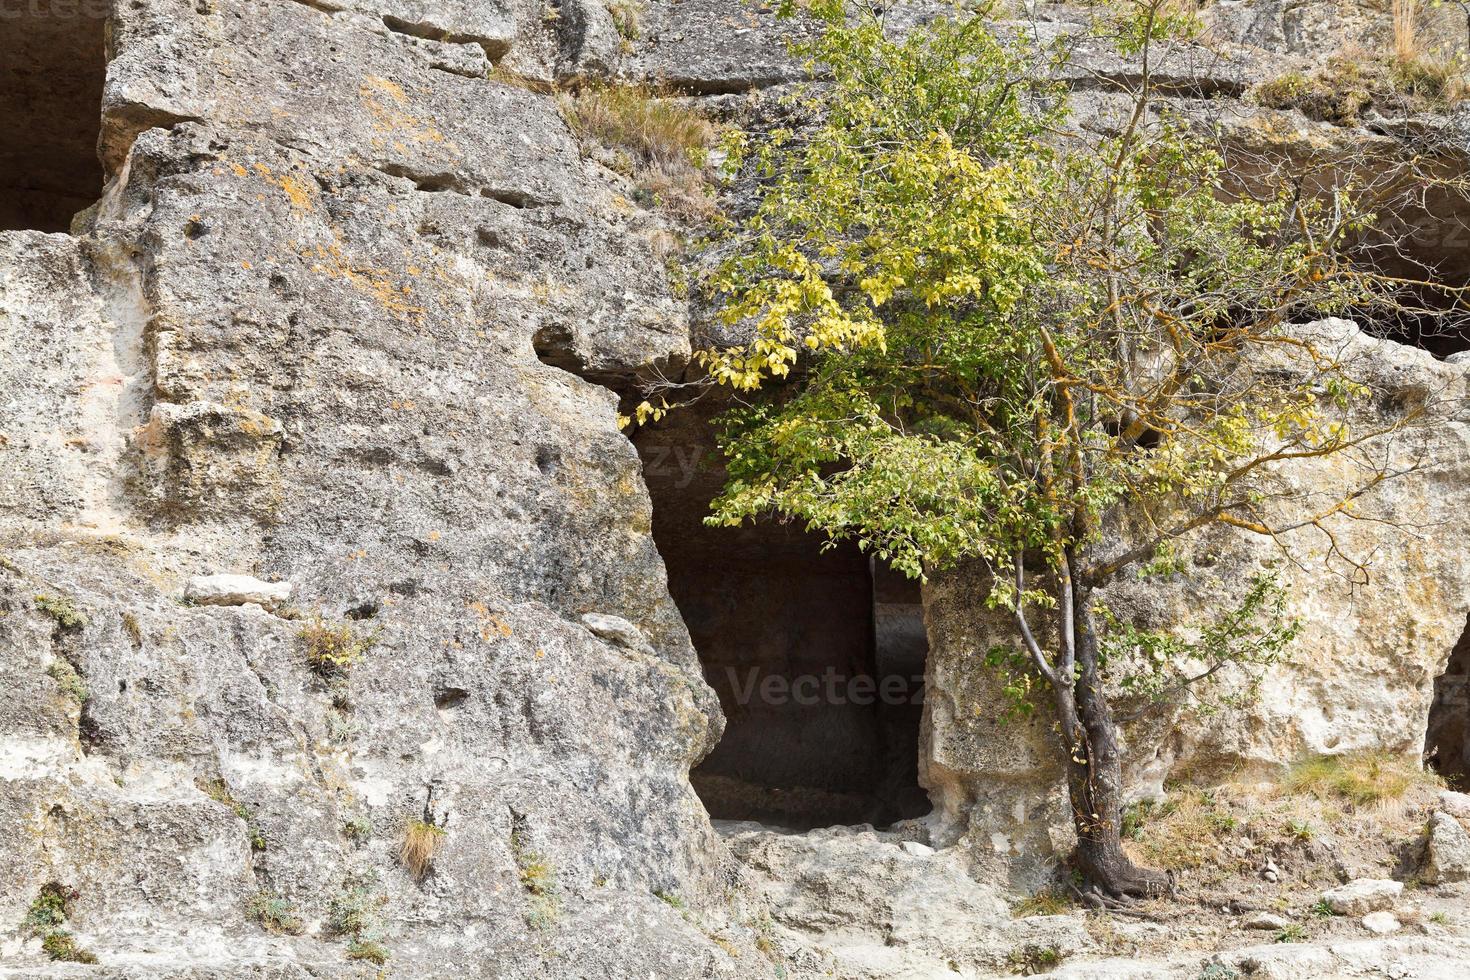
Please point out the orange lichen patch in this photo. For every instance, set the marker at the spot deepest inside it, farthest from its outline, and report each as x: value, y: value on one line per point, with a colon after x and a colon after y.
x: 375, y: 282
x: 387, y: 103
x: 301, y: 194
x: 491, y: 625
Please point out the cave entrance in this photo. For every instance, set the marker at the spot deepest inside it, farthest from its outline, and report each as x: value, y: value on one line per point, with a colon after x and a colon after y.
x: 1447, y: 739
x: 52, y: 65
x: 817, y: 656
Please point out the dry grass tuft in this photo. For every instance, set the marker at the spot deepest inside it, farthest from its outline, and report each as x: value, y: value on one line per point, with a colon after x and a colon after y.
x: 1345, y: 86
x: 1183, y: 832
x: 667, y: 140
x: 1437, y: 81
x: 333, y: 650
x: 1050, y: 901
x: 1406, y: 30
x: 1360, y: 778
x: 421, y: 841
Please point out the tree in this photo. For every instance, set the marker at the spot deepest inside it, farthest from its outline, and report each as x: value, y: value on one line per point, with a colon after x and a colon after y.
x: 974, y: 332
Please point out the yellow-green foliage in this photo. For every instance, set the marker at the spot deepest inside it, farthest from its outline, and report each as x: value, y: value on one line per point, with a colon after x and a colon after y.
x: 421, y: 841
x: 668, y: 140
x: 67, y: 678
x: 334, y: 650
x: 62, y: 946
x: 63, y: 610
x: 1361, y: 778
x: 540, y: 880
x: 275, y: 914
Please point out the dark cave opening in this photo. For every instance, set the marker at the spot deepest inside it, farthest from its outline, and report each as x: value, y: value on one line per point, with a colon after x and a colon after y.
x: 1447, y: 737
x: 1423, y: 238
x: 817, y: 656
x: 52, y: 66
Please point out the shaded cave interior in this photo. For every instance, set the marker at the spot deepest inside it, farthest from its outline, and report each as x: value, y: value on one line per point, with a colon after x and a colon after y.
x: 1447, y: 737
x: 52, y: 65
x: 817, y: 656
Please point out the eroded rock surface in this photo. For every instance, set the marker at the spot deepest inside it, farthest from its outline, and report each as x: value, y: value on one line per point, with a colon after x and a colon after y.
x: 301, y: 339
x: 342, y: 319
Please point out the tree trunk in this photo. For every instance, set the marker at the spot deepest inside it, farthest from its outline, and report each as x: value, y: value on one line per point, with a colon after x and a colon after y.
x: 1095, y: 775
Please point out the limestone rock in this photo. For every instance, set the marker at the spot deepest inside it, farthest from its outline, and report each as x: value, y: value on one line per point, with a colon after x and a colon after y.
x: 236, y: 590
x: 1381, y: 923
x: 1446, y: 850
x: 1362, y: 895
x: 1456, y: 804
x: 859, y: 895
x: 325, y: 325
x: 1265, y: 920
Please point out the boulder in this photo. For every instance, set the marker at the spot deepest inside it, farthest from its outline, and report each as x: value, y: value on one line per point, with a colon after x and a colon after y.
x: 1381, y: 923
x: 1456, y: 804
x: 1265, y: 920
x: 1446, y: 850
x: 1362, y: 895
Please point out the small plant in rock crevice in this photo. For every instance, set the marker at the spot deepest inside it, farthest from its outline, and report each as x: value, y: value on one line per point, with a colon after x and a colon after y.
x: 62, y: 610
x: 1034, y: 958
x: 369, y: 950
x: 1219, y: 971
x: 46, y: 917
x: 216, y: 790
x: 1293, y: 933
x: 275, y: 914
x: 1301, y: 830
x: 333, y: 650
x: 421, y: 841
x: 359, y: 830
x: 66, y: 677
x: 541, y: 881
x: 50, y: 908
x: 671, y: 899
x: 626, y: 17
x: 353, y: 912
x: 62, y: 947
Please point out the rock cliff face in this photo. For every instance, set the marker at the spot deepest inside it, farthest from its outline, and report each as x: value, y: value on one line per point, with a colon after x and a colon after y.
x: 345, y: 324
x: 297, y: 339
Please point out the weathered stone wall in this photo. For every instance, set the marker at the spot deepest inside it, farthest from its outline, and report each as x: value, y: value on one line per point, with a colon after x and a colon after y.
x: 335, y: 322
x: 297, y: 340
